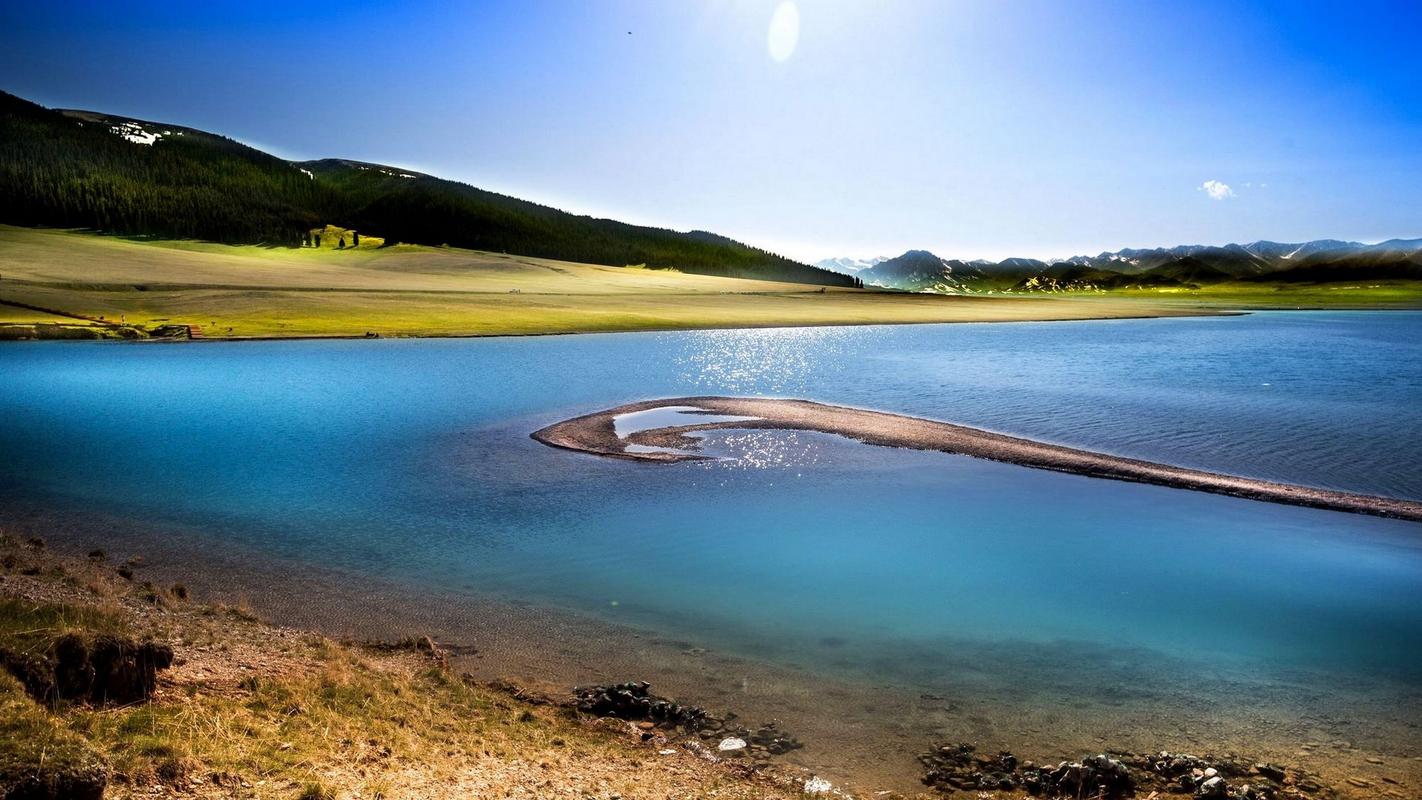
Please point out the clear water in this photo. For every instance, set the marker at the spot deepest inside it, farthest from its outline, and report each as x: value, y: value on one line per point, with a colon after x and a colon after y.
x: 410, y: 460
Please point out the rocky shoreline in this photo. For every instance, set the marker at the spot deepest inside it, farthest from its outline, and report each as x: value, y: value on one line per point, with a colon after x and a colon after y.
x: 1118, y: 775
x: 635, y: 702
x: 596, y: 434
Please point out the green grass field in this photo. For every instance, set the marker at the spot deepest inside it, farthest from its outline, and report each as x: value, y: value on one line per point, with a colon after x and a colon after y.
x: 424, y: 291
x: 410, y: 290
x: 1247, y: 295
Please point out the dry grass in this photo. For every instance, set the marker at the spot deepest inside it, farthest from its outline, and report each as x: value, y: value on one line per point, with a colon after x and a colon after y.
x: 250, y: 710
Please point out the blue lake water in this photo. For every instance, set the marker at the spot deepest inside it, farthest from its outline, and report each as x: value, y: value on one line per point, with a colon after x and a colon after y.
x: 409, y: 460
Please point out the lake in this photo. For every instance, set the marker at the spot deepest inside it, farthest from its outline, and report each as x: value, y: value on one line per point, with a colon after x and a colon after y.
x: 409, y: 462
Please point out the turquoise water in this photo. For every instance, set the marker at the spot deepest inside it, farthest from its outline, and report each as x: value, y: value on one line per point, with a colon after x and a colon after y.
x: 410, y: 461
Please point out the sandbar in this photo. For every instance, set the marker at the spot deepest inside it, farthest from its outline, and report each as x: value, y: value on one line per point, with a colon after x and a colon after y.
x: 595, y: 433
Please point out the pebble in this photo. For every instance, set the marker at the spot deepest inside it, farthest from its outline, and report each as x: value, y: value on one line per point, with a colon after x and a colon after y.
x: 731, y: 743
x: 1214, y: 787
x: 1273, y: 772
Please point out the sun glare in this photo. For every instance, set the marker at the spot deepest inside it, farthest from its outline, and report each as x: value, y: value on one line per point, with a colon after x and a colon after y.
x: 784, y: 31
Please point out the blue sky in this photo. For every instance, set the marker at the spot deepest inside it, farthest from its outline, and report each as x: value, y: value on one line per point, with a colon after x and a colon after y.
x: 993, y: 128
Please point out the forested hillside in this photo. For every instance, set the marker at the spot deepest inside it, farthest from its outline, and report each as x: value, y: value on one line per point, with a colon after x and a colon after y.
x: 89, y: 170
x: 76, y: 171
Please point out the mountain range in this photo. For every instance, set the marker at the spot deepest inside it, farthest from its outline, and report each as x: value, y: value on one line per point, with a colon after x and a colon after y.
x: 850, y: 266
x: 1184, y: 266
x: 86, y: 169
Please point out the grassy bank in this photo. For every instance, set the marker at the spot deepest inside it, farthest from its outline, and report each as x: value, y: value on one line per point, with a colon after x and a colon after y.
x: 251, y: 710
x: 1368, y: 296
x: 422, y: 291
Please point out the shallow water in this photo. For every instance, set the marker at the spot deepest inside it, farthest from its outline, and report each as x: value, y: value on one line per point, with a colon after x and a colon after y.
x: 632, y: 422
x: 410, y: 461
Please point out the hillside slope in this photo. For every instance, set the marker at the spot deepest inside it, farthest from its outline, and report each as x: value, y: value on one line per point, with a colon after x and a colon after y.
x: 83, y: 169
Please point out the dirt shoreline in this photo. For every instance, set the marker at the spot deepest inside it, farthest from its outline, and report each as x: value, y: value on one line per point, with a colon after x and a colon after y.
x: 239, y: 707
x: 595, y: 433
x: 861, y: 731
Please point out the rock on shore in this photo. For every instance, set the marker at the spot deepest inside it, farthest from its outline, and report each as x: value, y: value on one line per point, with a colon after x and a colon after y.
x: 953, y: 767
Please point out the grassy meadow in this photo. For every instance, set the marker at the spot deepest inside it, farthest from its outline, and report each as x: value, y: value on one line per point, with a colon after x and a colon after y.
x: 410, y: 290
x: 1363, y: 295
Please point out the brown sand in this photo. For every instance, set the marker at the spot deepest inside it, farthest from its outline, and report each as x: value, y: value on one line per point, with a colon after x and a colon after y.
x: 595, y: 433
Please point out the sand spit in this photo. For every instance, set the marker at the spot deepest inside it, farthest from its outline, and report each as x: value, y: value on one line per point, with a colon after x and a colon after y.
x: 595, y: 433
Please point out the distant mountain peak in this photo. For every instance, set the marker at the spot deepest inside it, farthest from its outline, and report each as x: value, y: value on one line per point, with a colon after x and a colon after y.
x: 1182, y: 265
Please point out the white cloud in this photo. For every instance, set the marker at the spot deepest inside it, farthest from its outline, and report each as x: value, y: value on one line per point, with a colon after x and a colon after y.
x: 1217, y: 190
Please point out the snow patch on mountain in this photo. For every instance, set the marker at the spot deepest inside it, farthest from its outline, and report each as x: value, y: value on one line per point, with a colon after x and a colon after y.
x: 849, y: 266
x: 133, y: 132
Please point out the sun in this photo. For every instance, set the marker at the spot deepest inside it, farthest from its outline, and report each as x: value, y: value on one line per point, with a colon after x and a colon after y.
x: 784, y: 31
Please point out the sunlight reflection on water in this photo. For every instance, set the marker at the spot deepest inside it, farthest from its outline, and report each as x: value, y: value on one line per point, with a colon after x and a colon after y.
x: 767, y: 361
x: 761, y: 450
